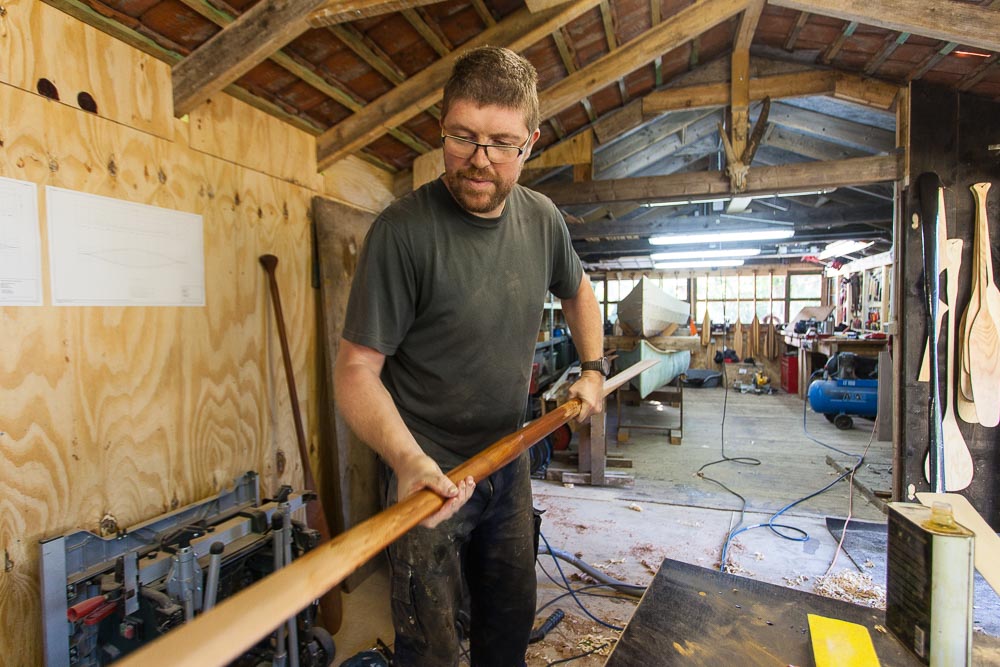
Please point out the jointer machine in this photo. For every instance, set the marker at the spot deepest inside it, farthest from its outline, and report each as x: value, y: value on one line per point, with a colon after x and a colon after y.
x: 104, y: 597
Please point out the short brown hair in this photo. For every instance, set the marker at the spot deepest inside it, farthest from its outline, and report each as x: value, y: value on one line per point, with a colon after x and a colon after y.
x: 495, y: 75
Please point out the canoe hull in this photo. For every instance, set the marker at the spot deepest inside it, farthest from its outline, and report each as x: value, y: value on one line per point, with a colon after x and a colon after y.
x: 672, y: 363
x: 648, y: 310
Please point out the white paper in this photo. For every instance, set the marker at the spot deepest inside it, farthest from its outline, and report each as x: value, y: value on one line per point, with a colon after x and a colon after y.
x: 20, y: 244
x: 109, y: 252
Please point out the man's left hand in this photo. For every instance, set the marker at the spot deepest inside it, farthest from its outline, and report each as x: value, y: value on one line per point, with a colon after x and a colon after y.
x: 590, y: 390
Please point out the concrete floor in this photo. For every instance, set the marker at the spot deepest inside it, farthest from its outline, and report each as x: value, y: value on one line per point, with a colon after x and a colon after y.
x: 672, y: 512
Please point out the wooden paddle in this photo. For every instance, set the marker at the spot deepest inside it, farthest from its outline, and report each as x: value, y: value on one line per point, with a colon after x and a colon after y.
x: 706, y: 329
x: 984, y: 330
x: 738, y: 339
x: 222, y: 634
x: 964, y: 400
x: 957, y: 458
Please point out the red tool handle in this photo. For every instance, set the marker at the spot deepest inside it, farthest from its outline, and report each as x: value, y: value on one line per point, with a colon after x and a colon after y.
x: 101, y: 613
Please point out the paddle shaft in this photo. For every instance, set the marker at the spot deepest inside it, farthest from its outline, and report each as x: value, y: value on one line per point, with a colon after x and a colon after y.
x: 330, y: 602
x: 928, y: 184
x: 218, y: 636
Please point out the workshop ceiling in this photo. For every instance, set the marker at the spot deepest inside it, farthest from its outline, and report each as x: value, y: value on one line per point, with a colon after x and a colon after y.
x: 634, y: 83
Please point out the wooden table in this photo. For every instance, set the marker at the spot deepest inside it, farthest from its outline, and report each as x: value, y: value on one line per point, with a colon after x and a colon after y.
x: 695, y: 616
x: 828, y: 346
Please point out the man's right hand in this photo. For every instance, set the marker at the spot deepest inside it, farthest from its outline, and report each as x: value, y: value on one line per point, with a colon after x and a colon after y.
x: 422, y: 472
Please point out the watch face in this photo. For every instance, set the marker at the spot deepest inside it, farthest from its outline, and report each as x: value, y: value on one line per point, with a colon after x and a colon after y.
x: 605, y: 366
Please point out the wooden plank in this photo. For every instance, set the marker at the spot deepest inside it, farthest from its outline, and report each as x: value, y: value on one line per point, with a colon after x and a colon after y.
x: 717, y: 93
x: 748, y: 25
x: 867, y: 137
x: 948, y: 21
x: 793, y: 35
x: 437, y: 41
x: 132, y: 94
x: 342, y: 11
x: 235, y: 50
x: 761, y: 180
x: 611, y: 478
x: 340, y: 234
x: 578, y: 149
x: 869, y: 92
x: 660, y: 39
x: 834, y: 48
x: 536, y: 6
x: 423, y: 90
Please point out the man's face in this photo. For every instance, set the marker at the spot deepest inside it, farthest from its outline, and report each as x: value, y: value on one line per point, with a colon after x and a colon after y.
x: 477, y: 184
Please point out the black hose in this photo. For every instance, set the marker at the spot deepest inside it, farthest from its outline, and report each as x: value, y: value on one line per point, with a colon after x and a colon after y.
x: 620, y: 586
x: 548, y: 626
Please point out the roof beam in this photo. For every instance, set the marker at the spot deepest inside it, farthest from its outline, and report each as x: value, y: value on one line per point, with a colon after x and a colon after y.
x: 948, y: 21
x: 865, y: 137
x: 236, y: 49
x: 423, y: 90
x: 668, y: 35
x: 815, y: 82
x: 651, y: 224
x: 656, y: 149
x: 760, y: 181
x: 342, y: 11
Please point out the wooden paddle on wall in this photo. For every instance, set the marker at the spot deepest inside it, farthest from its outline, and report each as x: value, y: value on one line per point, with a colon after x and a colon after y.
x: 222, y: 634
x: 984, y: 329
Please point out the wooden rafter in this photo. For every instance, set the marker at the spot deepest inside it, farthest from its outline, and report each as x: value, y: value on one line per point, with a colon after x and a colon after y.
x: 661, y: 39
x: 977, y: 75
x: 433, y: 37
x: 423, y: 89
x: 838, y: 43
x: 739, y: 93
x: 891, y: 44
x: 947, y: 20
x: 813, y: 82
x: 760, y: 181
x: 342, y: 11
x: 793, y: 34
x: 368, y: 51
x: 568, y: 57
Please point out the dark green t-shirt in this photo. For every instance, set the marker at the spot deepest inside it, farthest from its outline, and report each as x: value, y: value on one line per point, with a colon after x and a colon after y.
x: 455, y: 303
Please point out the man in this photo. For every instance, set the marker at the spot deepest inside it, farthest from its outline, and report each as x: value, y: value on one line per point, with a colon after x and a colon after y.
x: 435, y: 361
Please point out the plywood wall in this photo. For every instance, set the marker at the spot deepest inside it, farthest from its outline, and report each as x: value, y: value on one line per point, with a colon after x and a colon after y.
x: 128, y: 412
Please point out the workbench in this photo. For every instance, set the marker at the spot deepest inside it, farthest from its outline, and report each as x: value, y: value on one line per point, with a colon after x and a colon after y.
x: 693, y: 616
x: 828, y: 346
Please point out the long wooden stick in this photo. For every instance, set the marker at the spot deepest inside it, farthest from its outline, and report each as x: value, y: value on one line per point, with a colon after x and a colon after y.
x: 222, y: 634
x: 330, y: 604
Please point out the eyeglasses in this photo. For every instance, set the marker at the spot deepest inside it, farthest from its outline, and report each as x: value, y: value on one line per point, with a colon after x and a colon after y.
x: 495, y: 153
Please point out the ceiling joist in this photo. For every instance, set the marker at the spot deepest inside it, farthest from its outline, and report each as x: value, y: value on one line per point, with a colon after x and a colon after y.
x: 760, y: 182
x: 948, y: 21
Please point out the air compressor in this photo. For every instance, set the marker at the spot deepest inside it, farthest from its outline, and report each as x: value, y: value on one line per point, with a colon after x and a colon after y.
x: 848, y: 387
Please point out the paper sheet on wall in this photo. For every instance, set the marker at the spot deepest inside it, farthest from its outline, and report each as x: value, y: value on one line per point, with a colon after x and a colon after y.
x: 109, y: 252
x: 20, y: 244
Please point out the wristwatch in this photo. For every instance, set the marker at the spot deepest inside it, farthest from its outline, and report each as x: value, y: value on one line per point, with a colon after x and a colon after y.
x: 602, y: 365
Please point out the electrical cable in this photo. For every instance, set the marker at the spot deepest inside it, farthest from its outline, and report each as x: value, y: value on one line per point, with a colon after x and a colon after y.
x: 620, y: 586
x: 572, y: 592
x: 850, y: 502
x: 740, y: 460
x: 583, y: 590
x: 783, y: 531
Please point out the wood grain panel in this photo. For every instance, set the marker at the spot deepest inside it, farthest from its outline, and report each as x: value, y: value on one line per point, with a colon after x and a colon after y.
x: 125, y: 413
x: 128, y: 86
x: 227, y: 128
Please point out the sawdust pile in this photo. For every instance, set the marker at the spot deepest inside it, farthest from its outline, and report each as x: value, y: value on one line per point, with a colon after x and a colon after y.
x: 851, y: 586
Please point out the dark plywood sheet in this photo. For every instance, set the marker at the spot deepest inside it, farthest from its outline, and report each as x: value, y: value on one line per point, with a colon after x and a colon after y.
x: 695, y: 616
x: 949, y: 135
x: 340, y: 234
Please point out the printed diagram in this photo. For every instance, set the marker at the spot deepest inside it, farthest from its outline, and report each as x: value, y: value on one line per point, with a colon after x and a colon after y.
x: 110, y: 252
x: 20, y: 244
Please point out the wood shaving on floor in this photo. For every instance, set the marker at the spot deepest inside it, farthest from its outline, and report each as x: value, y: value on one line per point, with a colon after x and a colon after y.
x: 856, y: 587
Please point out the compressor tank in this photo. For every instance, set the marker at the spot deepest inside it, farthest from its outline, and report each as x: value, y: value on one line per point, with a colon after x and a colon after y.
x: 838, y: 400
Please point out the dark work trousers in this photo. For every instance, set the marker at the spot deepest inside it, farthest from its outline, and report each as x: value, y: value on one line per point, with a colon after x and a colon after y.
x: 488, y: 544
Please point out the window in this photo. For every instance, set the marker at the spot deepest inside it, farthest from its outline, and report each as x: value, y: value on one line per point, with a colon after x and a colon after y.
x: 770, y: 298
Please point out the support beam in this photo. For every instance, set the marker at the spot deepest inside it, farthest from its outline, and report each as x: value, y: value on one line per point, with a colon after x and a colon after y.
x: 838, y: 43
x: 579, y: 149
x: 890, y: 46
x: 665, y: 37
x: 760, y: 181
x: 342, y: 11
x: 948, y: 21
x: 793, y: 35
x: 849, y: 133
x: 437, y: 41
x: 652, y: 224
x: 236, y: 49
x: 423, y: 90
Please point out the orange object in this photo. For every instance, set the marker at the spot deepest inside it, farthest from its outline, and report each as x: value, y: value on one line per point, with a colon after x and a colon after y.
x: 692, y: 327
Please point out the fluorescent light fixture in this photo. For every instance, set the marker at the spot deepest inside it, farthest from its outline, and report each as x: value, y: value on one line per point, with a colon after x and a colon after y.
x: 729, y: 195
x: 841, y: 248
x: 723, y: 237
x: 699, y: 264
x: 705, y: 254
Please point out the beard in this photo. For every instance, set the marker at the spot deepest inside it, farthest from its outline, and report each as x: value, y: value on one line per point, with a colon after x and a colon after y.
x: 475, y: 200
